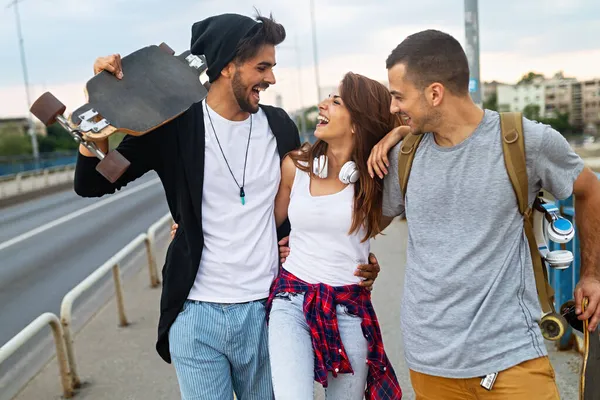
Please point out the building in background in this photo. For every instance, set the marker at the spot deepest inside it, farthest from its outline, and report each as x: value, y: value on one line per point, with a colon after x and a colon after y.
x: 517, y: 97
x: 590, y: 105
x: 553, y: 97
x: 490, y: 89
x: 563, y: 95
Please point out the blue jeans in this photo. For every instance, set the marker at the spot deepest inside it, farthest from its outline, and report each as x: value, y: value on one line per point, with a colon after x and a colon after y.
x: 218, y: 349
x: 292, y: 355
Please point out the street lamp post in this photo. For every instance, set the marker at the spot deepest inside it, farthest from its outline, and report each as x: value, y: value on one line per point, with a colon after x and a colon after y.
x: 472, y: 48
x: 315, y: 52
x: 30, y: 128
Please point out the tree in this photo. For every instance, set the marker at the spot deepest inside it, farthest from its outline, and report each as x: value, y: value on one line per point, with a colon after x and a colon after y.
x: 492, y: 102
x: 310, y: 118
x: 14, y: 144
x: 530, y: 77
x: 13, y: 141
x: 532, y: 111
x: 560, y: 122
x: 60, y: 138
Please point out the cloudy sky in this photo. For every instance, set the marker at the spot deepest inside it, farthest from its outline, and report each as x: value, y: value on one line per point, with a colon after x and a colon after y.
x: 63, y: 37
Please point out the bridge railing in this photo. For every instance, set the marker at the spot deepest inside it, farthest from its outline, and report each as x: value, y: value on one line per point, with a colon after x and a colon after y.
x: 28, y: 181
x: 61, y: 329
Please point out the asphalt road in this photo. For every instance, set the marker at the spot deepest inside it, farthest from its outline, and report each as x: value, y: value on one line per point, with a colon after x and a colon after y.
x: 44, y: 252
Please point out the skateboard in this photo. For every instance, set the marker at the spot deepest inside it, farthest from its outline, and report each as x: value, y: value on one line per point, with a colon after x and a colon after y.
x: 157, y: 87
x: 549, y: 225
x: 589, y: 383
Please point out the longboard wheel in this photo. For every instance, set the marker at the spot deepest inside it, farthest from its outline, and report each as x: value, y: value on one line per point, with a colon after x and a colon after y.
x: 165, y: 47
x: 47, y: 107
x: 567, y: 310
x: 553, y: 326
x: 113, y: 166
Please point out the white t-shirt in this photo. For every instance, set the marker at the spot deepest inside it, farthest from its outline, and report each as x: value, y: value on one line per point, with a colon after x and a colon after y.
x: 240, y: 255
x: 322, y: 249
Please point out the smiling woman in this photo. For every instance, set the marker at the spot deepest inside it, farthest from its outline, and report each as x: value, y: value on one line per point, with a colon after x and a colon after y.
x: 354, y: 120
x: 334, y: 207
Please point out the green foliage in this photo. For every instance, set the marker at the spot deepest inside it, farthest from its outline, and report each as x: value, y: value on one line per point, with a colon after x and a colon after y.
x: 529, y: 77
x: 310, y: 118
x: 13, y: 141
x: 12, y: 144
x: 492, y: 102
x: 58, y: 139
x: 560, y: 122
x: 532, y: 111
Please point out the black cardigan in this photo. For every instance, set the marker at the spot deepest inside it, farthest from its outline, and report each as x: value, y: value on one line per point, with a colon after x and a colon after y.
x: 176, y: 152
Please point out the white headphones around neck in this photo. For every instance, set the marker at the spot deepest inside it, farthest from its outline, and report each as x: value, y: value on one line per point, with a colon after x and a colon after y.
x: 348, y: 173
x: 558, y: 229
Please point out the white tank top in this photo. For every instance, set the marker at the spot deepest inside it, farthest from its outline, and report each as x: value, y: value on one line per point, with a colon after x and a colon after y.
x: 321, y: 250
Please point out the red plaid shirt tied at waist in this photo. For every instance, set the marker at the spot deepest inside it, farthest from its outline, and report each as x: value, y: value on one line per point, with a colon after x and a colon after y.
x: 320, y: 302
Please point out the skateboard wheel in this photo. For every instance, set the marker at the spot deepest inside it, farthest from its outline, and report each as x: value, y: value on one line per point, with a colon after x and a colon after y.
x: 165, y: 47
x: 113, y: 166
x: 567, y: 310
x: 47, y: 107
x: 553, y: 326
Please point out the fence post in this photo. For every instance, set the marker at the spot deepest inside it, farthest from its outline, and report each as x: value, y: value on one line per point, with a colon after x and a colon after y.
x: 61, y: 358
x: 151, y: 259
x: 68, y: 338
x: 119, y: 294
x: 19, y: 340
x: 18, y: 182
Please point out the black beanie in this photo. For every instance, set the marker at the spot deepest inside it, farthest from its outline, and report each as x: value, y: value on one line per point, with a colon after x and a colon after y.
x: 217, y: 38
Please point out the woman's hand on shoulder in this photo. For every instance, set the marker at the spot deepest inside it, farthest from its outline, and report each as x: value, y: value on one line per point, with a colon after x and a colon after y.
x: 378, y: 160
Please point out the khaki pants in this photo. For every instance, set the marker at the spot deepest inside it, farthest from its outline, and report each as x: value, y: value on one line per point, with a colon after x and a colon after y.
x: 533, y: 379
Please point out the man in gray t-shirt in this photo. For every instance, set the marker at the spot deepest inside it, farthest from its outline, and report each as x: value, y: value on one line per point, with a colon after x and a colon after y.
x: 470, y: 305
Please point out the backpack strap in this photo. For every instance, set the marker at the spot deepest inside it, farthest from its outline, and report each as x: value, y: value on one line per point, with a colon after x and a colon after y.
x: 513, y: 146
x: 405, y: 159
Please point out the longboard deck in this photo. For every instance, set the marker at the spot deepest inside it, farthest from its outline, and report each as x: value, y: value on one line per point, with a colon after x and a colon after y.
x: 590, y: 379
x: 156, y: 87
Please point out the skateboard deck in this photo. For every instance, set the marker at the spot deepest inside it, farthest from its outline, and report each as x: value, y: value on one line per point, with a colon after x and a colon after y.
x: 589, y: 383
x: 157, y: 86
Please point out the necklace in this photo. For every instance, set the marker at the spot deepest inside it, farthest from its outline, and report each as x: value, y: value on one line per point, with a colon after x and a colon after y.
x: 242, y: 193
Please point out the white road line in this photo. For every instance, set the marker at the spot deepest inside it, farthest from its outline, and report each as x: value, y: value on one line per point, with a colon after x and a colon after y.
x: 76, y: 214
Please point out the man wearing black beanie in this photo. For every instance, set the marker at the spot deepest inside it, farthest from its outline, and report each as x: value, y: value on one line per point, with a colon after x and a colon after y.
x: 219, y: 163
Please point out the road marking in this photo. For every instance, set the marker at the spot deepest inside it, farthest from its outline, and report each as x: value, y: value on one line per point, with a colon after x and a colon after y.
x: 76, y: 214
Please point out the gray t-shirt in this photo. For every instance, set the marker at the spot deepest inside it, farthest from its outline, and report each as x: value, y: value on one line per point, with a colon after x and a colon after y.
x: 470, y: 304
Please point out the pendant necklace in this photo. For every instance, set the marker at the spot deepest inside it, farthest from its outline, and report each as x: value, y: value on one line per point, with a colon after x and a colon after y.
x: 242, y: 193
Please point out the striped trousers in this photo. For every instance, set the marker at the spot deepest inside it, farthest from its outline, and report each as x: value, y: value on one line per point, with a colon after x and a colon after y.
x: 218, y: 349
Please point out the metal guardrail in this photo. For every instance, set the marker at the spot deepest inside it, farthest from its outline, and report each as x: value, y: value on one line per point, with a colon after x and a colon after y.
x: 61, y: 329
x: 40, y: 179
x: 66, y: 308
x: 30, y: 330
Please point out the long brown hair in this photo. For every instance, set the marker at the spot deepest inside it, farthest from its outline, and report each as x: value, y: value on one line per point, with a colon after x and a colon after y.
x: 368, y: 103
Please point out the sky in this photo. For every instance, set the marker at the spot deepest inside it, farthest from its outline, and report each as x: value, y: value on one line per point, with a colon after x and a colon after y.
x: 62, y: 38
